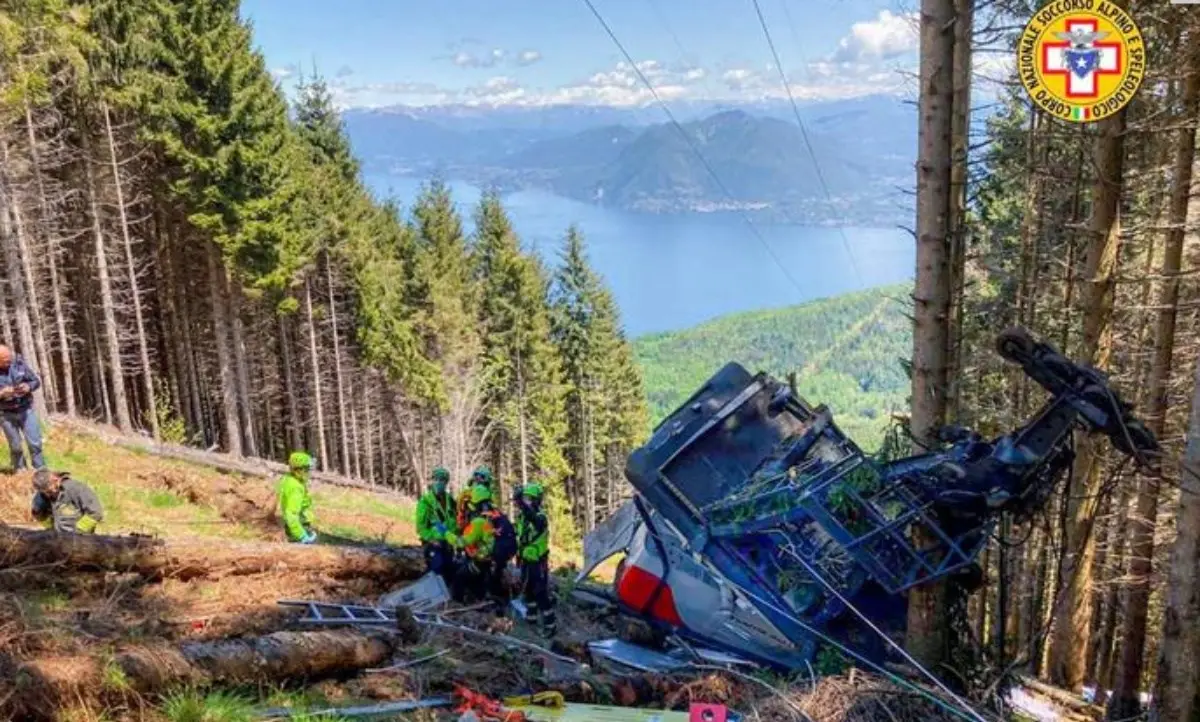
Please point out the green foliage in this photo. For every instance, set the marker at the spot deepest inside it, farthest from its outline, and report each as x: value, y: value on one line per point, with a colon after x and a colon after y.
x: 194, y: 706
x: 604, y: 403
x: 843, y: 349
x: 830, y: 662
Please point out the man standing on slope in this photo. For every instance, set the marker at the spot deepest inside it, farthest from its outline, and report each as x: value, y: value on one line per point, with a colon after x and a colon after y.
x: 63, y: 504
x: 533, y: 544
x: 295, y: 505
x: 435, y: 524
x: 17, y: 417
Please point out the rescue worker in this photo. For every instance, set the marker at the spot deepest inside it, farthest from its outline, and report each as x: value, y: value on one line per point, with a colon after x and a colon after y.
x: 489, y: 543
x: 482, y: 476
x: 435, y: 524
x: 64, y: 504
x: 533, y: 556
x: 476, y: 542
x: 295, y: 504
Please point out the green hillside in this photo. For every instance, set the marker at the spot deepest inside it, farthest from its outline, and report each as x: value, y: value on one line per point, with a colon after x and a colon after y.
x: 846, y: 352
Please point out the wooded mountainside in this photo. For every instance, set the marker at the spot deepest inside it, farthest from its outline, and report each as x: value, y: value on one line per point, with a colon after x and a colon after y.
x: 187, y: 255
x: 1087, y: 235
x: 847, y: 352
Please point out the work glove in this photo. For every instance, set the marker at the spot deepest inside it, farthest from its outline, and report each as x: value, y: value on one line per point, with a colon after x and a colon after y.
x: 310, y: 537
x: 453, y: 540
x: 529, y: 554
x: 440, y: 528
x: 86, y: 524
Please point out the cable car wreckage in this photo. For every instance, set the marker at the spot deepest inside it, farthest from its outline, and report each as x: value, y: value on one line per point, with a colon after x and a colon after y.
x: 759, y: 528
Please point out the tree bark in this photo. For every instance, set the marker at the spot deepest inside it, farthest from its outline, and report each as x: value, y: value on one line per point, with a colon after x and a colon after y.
x: 220, y: 310
x: 290, y: 389
x: 120, y: 400
x: 52, y: 683
x: 1176, y: 696
x: 319, y: 407
x: 343, y: 427
x: 127, y: 243
x: 956, y: 226
x: 246, y: 409
x: 927, y: 633
x: 51, y: 251
x: 1128, y: 674
x: 1073, y: 621
x: 12, y: 234
x: 187, y: 558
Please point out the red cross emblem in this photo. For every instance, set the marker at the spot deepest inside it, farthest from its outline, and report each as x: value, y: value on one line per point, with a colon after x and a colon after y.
x: 1111, y: 61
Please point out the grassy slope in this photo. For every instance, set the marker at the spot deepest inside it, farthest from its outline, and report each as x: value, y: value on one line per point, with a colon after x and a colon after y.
x: 845, y: 350
x: 137, y: 496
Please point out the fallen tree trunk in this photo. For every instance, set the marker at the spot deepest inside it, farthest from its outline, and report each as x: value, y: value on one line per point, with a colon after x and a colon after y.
x: 184, y: 558
x: 225, y: 463
x: 43, y: 685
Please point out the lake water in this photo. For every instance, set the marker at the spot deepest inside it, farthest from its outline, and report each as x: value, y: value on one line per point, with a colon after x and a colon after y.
x: 672, y: 272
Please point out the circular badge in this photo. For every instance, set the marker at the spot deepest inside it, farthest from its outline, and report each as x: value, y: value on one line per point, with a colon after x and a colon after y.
x: 1081, y: 60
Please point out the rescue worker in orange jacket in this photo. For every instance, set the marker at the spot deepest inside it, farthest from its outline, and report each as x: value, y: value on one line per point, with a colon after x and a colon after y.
x: 489, y: 543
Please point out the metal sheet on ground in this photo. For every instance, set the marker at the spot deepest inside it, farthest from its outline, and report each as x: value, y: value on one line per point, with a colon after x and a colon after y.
x: 598, y: 713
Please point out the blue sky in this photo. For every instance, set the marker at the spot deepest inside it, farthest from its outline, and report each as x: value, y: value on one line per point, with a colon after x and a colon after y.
x: 539, y: 52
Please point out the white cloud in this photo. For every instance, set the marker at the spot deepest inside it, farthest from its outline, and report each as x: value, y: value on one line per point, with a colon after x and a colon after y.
x: 887, y: 36
x: 285, y: 72
x: 528, y: 57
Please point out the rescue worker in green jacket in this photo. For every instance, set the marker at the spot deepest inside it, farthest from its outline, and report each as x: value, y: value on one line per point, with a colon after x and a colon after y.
x: 533, y: 556
x: 295, y: 504
x: 436, y: 524
x: 64, y: 504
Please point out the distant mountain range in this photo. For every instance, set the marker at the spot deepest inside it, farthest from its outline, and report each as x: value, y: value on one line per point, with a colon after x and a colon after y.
x: 751, y: 158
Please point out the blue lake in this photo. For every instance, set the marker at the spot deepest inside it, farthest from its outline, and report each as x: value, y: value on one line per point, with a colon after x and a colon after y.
x: 672, y: 272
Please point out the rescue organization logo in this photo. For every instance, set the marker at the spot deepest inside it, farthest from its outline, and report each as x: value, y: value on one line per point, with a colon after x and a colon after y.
x: 1081, y: 60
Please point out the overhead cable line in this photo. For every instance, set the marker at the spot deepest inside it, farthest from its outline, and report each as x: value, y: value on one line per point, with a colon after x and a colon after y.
x: 691, y: 143
x: 804, y: 134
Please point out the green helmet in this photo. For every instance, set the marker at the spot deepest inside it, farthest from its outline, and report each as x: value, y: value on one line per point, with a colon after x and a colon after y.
x: 440, y: 475
x: 300, y: 461
x: 480, y: 493
x: 482, y: 474
x: 533, y: 490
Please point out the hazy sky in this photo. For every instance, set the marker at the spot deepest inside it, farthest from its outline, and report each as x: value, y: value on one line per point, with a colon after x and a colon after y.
x: 535, y: 52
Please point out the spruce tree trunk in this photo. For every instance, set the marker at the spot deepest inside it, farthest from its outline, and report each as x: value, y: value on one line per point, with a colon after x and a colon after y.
x: 220, y: 310
x: 48, y: 375
x: 127, y: 243
x: 927, y: 633
x: 1128, y: 674
x: 234, y: 294
x: 290, y: 390
x: 1176, y: 695
x: 1073, y: 620
x: 956, y: 226
x: 322, y: 449
x: 343, y: 427
x: 120, y: 401
x: 5, y: 321
x: 12, y: 234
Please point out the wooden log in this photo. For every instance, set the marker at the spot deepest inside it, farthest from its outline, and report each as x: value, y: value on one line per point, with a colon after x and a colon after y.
x: 40, y: 687
x: 187, y: 558
x: 274, y: 657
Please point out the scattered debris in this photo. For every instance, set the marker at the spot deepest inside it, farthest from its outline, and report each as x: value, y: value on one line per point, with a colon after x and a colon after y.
x: 378, y: 710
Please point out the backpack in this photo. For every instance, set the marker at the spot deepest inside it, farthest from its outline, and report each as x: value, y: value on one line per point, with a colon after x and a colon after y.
x: 506, y: 537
